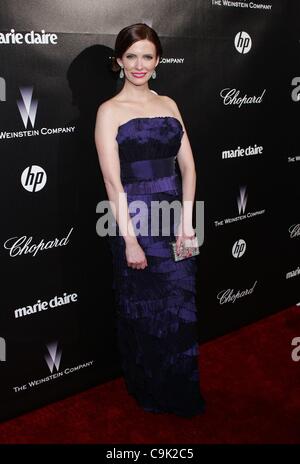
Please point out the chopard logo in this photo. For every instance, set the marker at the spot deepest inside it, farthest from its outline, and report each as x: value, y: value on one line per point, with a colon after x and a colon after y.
x: 294, y: 230
x: 231, y: 97
x: 22, y: 245
x: 230, y: 296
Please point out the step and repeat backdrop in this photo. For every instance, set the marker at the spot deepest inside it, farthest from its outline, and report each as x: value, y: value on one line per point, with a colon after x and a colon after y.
x: 233, y: 69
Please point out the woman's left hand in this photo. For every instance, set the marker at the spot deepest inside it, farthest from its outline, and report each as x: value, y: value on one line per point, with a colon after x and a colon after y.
x: 185, y: 239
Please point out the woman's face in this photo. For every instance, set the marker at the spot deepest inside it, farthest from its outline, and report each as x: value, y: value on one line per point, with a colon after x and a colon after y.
x: 139, y: 61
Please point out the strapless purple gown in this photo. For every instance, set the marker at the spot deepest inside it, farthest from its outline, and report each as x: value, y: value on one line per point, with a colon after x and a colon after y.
x: 156, y: 311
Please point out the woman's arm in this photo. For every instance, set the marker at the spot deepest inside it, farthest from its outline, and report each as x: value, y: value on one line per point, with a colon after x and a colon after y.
x: 187, y: 168
x: 107, y: 148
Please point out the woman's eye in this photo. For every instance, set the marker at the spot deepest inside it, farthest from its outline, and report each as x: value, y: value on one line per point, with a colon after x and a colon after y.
x: 147, y: 56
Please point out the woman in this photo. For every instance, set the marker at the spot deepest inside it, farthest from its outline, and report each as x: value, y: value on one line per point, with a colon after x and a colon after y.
x: 138, y: 136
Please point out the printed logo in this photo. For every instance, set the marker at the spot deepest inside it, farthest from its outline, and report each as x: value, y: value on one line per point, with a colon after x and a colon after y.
x: 33, y: 178
x: 294, y: 230
x: 242, y: 200
x: 296, y: 91
x: 27, y: 106
x: 32, y: 37
x: 2, y: 350
x: 231, y: 97
x: 241, y: 203
x: 53, y: 356
x: 293, y: 273
x: 230, y: 295
x: 22, y: 245
x: 295, y: 354
x: 240, y: 152
x: 243, y: 42
x: 239, y: 248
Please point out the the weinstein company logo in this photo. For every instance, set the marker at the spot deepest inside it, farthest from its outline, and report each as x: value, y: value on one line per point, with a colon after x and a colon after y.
x: 2, y: 90
x: 27, y: 106
x: 53, y: 356
x: 241, y: 203
x: 294, y: 230
x: 242, y: 42
x: 2, y: 349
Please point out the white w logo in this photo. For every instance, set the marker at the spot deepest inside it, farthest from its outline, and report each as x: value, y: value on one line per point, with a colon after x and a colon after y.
x: 54, y: 356
x: 242, y: 200
x: 27, y: 106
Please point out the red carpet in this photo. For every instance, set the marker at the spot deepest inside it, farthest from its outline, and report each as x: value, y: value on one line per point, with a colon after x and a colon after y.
x: 251, y: 384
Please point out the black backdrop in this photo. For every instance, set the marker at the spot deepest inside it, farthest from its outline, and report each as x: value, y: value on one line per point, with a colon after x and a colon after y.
x: 51, y: 183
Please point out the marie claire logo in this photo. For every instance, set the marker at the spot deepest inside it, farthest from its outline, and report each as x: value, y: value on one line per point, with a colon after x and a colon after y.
x: 40, y: 306
x: 27, y: 106
x: 231, y: 97
x: 231, y: 296
x: 243, y: 42
x: 33, y: 178
x: 2, y: 350
x: 240, y: 152
x: 19, y: 246
x: 294, y: 230
x: 241, y: 203
x: 293, y: 273
x: 2, y: 89
x: 53, y: 356
x: 30, y: 38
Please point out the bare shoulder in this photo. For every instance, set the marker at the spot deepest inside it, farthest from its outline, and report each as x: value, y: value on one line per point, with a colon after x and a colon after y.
x: 107, y: 114
x: 172, y: 106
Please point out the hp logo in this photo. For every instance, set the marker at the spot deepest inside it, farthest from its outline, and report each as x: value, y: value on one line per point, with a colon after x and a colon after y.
x: 243, y: 42
x: 239, y: 248
x: 33, y: 178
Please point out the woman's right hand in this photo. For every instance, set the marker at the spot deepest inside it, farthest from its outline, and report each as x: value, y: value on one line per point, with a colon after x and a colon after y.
x: 135, y: 256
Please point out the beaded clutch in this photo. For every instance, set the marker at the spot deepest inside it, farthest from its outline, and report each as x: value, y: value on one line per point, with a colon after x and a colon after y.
x: 189, y: 248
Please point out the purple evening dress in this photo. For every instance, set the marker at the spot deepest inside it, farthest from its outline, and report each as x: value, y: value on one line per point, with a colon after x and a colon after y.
x: 156, y: 310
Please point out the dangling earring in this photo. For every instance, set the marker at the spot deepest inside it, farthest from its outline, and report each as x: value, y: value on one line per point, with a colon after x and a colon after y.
x: 121, y: 72
x: 154, y: 74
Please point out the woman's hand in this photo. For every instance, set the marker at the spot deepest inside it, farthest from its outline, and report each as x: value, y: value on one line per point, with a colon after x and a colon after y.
x: 135, y: 256
x: 185, y: 238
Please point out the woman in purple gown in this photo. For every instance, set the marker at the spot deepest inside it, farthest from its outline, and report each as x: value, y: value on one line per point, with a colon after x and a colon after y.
x: 139, y: 136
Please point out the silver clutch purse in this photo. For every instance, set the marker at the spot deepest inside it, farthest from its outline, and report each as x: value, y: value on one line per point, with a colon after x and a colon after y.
x: 189, y: 248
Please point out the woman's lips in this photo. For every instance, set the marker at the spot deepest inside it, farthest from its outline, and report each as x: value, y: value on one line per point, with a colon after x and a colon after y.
x: 138, y: 74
